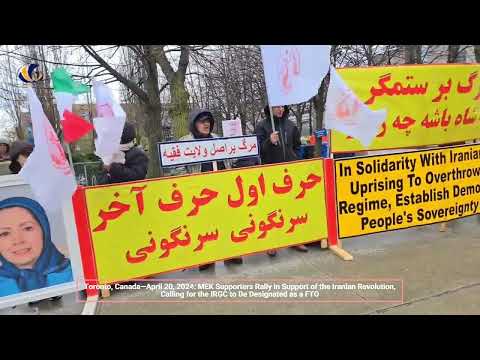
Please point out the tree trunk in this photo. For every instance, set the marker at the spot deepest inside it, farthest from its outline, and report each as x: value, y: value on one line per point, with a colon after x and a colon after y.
x: 19, y: 132
x: 413, y: 54
x: 178, y: 110
x: 243, y: 121
x: 453, y: 53
x: 476, y: 49
x: 310, y: 117
x: 298, y: 117
x: 319, y: 104
x: 155, y: 135
x: 153, y: 112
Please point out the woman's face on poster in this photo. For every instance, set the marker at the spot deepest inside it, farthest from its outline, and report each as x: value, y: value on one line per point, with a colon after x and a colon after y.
x: 21, y: 237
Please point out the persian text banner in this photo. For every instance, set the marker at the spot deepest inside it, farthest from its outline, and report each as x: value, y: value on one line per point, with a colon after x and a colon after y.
x: 426, y: 104
x: 211, y: 149
x: 153, y: 226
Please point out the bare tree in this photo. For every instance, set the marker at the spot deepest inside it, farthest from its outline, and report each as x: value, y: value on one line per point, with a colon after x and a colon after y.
x: 147, y: 90
x: 11, y: 97
x: 453, y: 51
x: 319, y: 104
x: 231, y: 82
x: 43, y: 89
x: 476, y: 49
x: 298, y: 111
x: 178, y: 108
x: 413, y: 54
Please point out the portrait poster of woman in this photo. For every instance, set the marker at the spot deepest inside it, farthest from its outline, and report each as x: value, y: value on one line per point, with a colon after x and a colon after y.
x: 39, y: 256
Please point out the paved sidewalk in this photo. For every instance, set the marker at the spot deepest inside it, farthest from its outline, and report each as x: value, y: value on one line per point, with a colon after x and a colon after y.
x: 441, y: 274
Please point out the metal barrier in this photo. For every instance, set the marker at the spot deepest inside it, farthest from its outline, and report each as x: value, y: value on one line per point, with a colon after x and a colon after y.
x: 87, y: 172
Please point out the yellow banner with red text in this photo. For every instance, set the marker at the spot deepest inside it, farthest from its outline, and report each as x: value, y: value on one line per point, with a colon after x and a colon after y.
x: 425, y: 104
x: 154, y: 226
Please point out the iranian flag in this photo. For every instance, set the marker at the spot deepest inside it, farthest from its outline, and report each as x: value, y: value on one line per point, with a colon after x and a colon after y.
x: 74, y: 127
x: 47, y: 169
x: 65, y: 91
x: 108, y: 123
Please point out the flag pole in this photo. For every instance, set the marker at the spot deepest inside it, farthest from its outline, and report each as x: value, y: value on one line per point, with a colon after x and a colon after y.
x: 69, y: 152
x: 271, y: 115
x: 70, y: 158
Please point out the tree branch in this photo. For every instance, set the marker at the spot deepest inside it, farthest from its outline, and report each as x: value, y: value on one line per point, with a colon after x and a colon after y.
x: 161, y: 59
x: 183, y: 63
x: 163, y: 87
x: 128, y: 83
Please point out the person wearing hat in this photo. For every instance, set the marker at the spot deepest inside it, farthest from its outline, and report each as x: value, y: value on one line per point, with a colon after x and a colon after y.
x: 130, y: 163
x: 4, y: 150
x: 201, y: 126
x: 19, y: 152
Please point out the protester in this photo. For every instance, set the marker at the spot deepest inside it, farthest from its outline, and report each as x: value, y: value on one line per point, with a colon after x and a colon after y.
x: 280, y: 146
x: 4, y: 150
x: 201, y: 126
x: 129, y: 164
x: 19, y: 152
x: 28, y: 258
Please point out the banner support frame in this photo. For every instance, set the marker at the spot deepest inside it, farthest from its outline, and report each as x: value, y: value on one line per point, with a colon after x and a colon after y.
x: 334, y: 243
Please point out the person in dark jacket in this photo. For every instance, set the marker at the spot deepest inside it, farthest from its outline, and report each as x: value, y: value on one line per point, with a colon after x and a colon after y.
x: 130, y: 164
x: 201, y: 126
x: 4, y: 150
x: 19, y: 152
x: 281, y: 145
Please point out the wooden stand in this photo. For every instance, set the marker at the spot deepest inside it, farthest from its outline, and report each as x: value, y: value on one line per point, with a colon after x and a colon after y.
x: 344, y: 255
x: 443, y: 227
x: 90, y: 305
x: 105, y: 293
x: 334, y: 243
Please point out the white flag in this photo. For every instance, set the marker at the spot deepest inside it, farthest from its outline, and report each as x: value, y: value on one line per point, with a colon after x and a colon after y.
x: 64, y: 102
x: 47, y: 169
x: 108, y: 123
x: 346, y: 113
x: 294, y: 73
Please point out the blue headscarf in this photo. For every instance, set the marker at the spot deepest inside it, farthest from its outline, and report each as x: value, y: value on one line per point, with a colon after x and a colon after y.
x: 50, y: 260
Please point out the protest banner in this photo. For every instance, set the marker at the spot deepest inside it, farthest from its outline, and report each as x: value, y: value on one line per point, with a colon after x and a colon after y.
x: 39, y: 254
x: 231, y: 128
x: 153, y: 226
x: 397, y: 191
x: 425, y: 104
x: 206, y: 150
